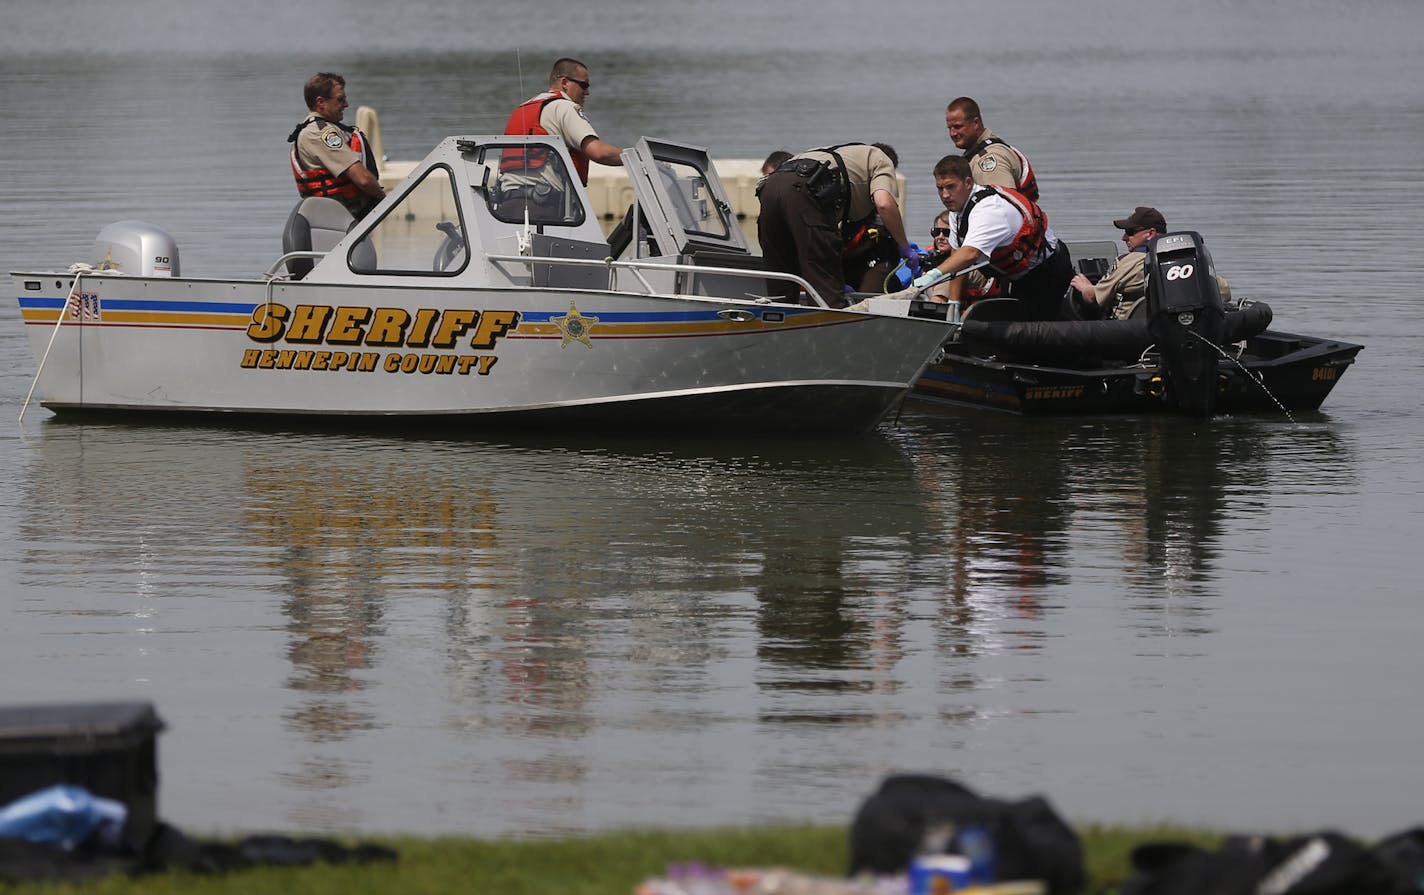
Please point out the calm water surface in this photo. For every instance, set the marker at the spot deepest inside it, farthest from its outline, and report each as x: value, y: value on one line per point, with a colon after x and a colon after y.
x: 1141, y: 619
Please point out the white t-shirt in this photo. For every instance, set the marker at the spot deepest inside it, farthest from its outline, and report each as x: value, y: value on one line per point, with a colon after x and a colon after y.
x: 993, y: 222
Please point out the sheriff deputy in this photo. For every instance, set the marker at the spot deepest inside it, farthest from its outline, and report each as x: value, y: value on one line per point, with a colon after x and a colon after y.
x: 330, y: 158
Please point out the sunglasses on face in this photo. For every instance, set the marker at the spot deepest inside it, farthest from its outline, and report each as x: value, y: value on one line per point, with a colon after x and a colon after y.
x: 583, y: 84
x: 939, y: 231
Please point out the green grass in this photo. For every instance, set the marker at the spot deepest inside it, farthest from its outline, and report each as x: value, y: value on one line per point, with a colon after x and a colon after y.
x: 604, y: 864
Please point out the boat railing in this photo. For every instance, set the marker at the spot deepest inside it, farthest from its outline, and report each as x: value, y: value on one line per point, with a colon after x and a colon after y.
x: 291, y: 256
x: 637, y: 267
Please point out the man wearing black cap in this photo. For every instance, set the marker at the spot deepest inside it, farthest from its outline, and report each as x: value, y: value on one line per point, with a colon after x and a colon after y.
x: 1126, y: 281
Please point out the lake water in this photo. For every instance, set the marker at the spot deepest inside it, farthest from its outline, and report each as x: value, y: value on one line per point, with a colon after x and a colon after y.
x: 1142, y: 619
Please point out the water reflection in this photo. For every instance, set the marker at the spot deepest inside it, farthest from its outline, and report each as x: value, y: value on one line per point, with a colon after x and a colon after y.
x: 554, y: 614
x: 1147, y: 505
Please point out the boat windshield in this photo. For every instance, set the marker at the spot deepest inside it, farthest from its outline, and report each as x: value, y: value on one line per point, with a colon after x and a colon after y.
x: 421, y: 234
x: 533, y: 179
x: 693, y: 205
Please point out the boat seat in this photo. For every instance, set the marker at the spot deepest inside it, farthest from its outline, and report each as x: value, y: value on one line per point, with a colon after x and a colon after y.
x: 715, y: 285
x: 316, y: 224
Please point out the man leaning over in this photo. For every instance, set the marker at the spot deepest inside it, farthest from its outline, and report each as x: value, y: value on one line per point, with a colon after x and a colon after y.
x: 805, y: 201
x: 1011, y: 232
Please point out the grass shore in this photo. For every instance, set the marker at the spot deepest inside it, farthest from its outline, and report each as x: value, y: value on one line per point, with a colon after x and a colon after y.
x: 602, y: 864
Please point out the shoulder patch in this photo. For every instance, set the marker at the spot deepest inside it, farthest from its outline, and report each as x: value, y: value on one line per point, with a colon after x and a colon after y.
x: 987, y: 164
x: 580, y: 113
x: 332, y: 137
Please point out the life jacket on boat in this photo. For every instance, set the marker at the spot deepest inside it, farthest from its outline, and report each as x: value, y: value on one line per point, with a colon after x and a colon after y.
x: 524, y: 121
x: 321, y: 182
x: 1025, y: 183
x: 1029, y: 245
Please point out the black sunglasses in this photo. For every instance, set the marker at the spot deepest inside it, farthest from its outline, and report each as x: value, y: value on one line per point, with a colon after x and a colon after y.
x: 583, y: 84
x: 939, y: 231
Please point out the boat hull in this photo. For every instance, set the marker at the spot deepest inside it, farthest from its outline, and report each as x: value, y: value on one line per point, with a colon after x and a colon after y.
x: 1275, y: 371
x: 463, y: 356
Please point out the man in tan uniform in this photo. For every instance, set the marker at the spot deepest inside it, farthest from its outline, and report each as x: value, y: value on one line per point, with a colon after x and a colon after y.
x: 329, y: 158
x: 805, y: 201
x: 1126, y: 281
x: 558, y: 111
x: 993, y: 161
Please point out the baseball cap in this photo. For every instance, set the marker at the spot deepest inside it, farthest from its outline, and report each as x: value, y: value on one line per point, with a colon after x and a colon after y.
x: 1141, y: 218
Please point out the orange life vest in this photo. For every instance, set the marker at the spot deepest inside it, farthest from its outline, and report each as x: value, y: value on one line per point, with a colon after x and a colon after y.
x: 321, y: 182
x: 1026, y: 183
x: 1028, y: 247
x: 524, y: 121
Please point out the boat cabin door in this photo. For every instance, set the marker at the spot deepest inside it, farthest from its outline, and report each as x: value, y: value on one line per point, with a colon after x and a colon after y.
x: 682, y: 204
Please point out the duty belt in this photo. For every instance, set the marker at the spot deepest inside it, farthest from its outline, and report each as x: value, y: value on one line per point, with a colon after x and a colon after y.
x: 803, y: 167
x: 824, y: 181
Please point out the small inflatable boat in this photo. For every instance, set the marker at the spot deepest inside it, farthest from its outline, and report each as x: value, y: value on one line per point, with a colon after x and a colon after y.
x: 1181, y: 349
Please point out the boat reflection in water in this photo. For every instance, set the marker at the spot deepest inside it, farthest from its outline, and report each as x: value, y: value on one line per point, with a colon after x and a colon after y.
x: 546, y: 635
x: 1142, y: 505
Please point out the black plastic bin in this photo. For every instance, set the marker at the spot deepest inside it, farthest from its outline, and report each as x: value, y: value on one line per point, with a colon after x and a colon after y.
x: 109, y: 748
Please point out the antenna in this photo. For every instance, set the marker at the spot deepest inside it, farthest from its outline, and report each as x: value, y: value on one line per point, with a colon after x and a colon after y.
x: 519, y: 67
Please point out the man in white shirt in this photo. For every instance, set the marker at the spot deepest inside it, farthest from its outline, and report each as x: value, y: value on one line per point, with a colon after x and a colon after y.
x: 1011, y: 232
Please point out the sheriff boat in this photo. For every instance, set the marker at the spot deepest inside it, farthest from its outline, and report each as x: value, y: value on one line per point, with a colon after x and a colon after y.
x: 476, y: 295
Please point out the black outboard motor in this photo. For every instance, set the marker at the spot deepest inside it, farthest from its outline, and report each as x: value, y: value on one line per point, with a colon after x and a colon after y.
x: 1184, y: 317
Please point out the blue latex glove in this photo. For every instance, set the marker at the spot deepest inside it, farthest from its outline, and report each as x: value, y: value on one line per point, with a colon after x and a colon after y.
x: 929, y: 278
x: 911, y: 254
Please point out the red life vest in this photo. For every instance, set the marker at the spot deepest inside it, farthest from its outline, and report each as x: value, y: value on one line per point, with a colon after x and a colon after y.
x: 321, y: 182
x: 1028, y: 247
x: 525, y: 121
x: 1026, y: 183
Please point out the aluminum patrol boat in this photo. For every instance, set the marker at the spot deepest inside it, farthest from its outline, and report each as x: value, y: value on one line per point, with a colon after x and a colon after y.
x: 482, y: 292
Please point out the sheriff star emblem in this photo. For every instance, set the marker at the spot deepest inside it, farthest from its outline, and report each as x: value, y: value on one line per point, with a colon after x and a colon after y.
x: 575, y: 327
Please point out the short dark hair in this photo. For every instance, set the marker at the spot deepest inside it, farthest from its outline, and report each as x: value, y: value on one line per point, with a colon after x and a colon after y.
x: 320, y: 86
x: 966, y: 105
x: 952, y: 166
x: 565, y: 67
x: 774, y: 160
x: 890, y: 151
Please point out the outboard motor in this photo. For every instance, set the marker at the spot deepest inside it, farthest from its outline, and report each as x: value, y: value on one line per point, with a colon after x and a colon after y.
x: 136, y: 248
x: 1184, y: 317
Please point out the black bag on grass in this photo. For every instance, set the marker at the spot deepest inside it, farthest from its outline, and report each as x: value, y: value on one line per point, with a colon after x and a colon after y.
x: 1325, y: 863
x: 1403, y: 854
x: 913, y: 814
